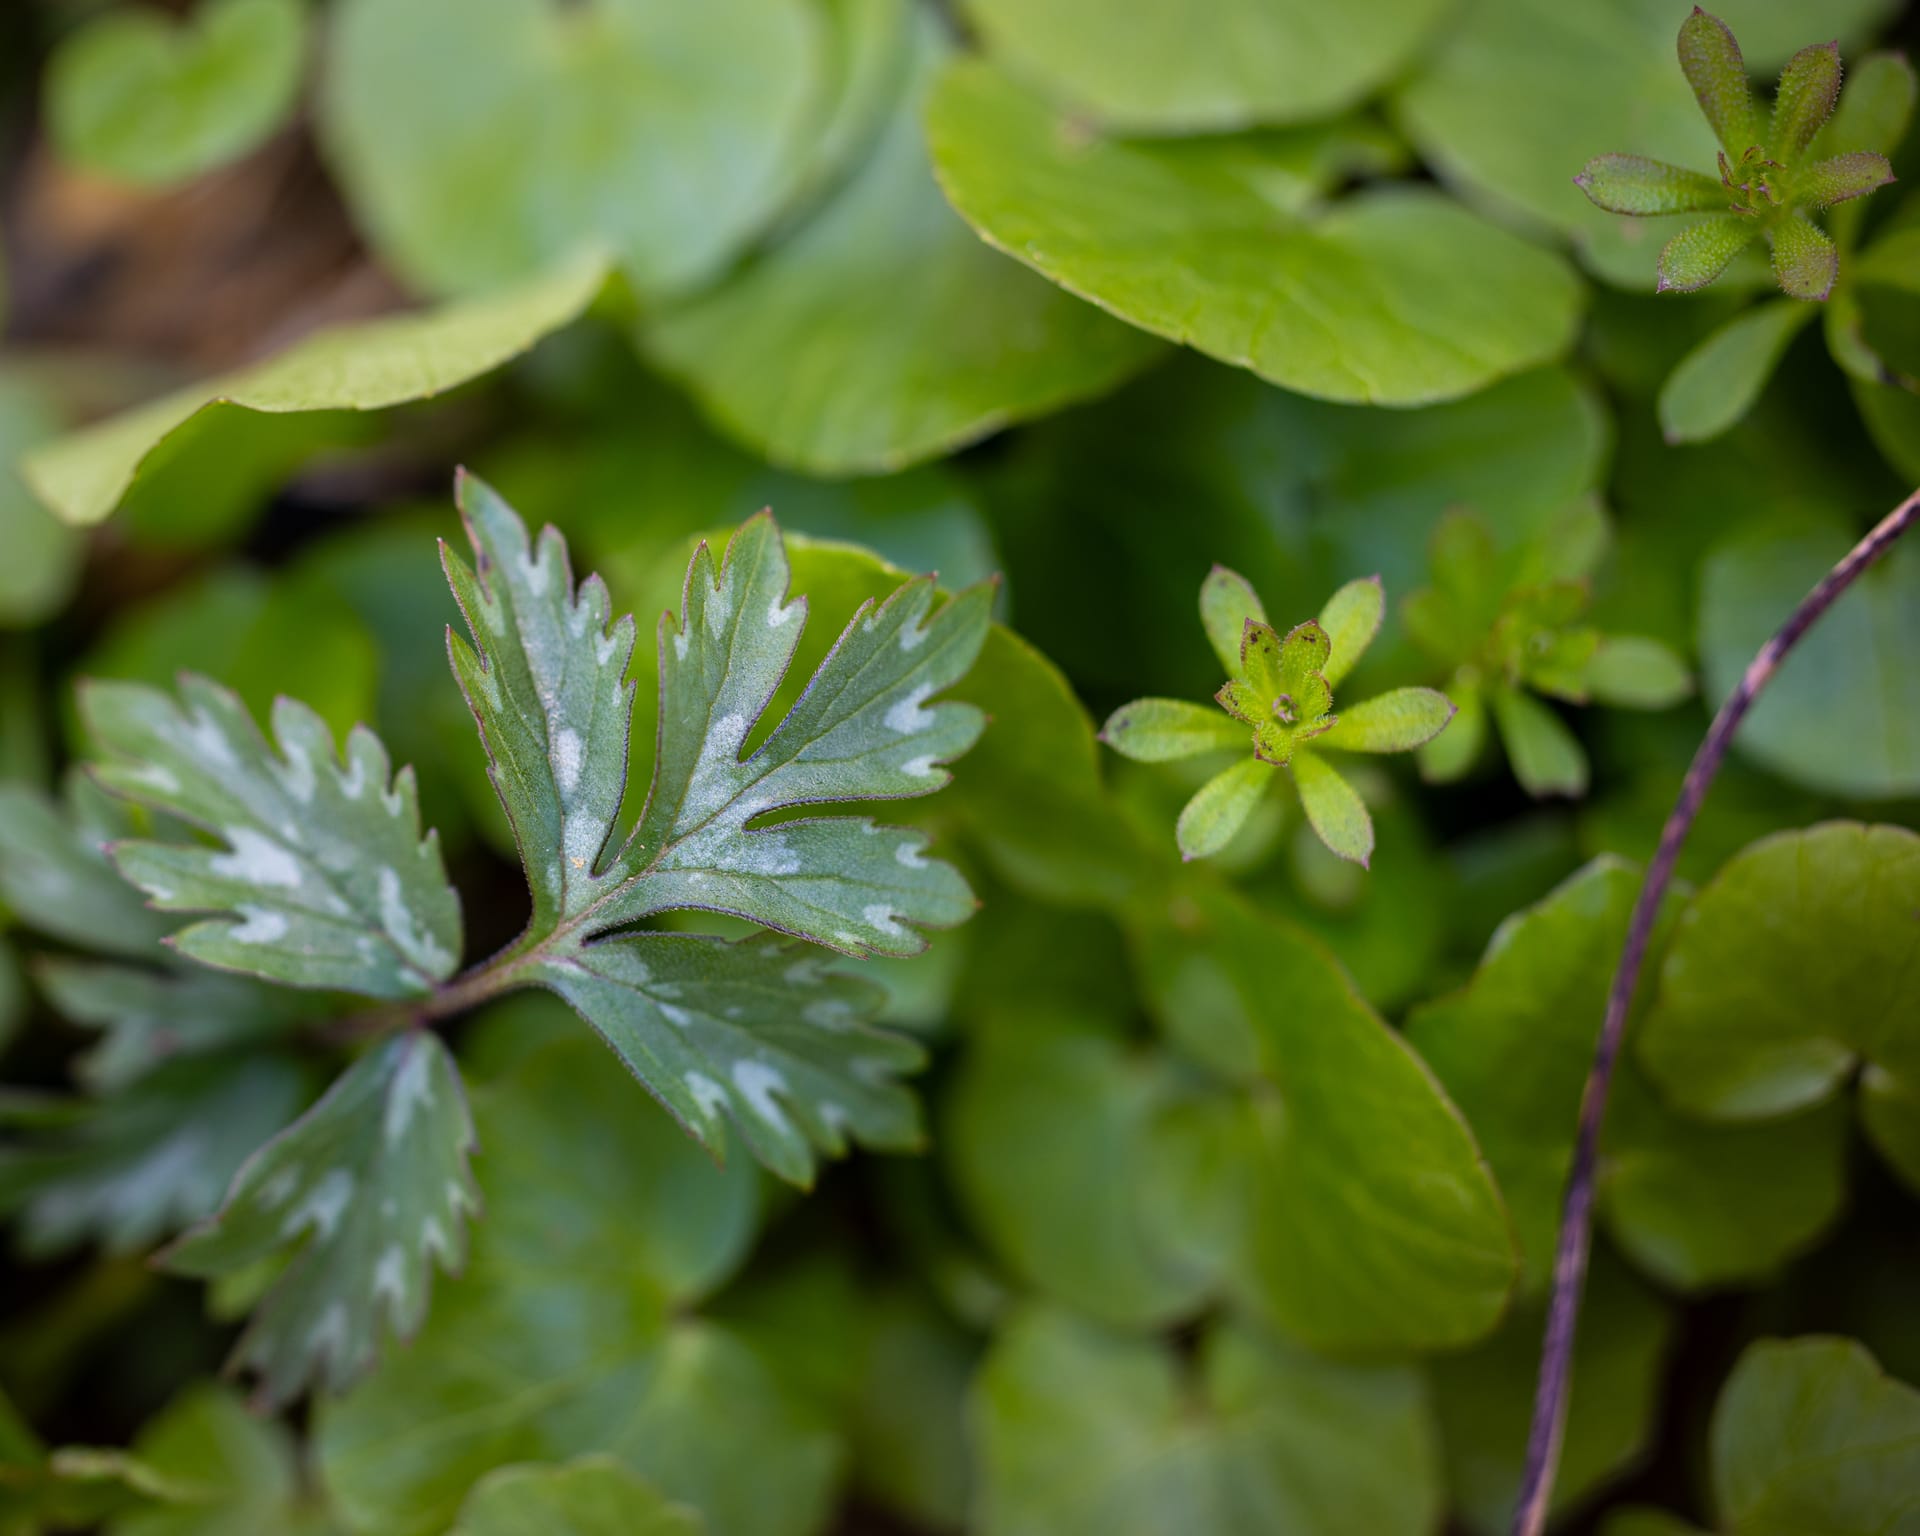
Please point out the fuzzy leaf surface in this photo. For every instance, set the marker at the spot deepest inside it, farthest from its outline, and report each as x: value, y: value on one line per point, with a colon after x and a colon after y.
x: 367, y: 1190
x: 325, y: 880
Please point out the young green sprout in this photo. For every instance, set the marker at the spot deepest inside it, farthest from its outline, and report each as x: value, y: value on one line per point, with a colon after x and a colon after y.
x: 1278, y: 698
x: 1507, y: 626
x: 1772, y: 176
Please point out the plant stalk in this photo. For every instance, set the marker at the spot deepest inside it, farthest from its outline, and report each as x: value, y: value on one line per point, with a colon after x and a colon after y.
x: 1576, y: 1221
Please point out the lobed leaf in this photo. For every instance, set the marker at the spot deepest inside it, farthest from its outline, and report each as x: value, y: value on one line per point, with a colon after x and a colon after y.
x: 759, y: 1032
x: 324, y: 880
x: 365, y: 1190
x: 1636, y: 185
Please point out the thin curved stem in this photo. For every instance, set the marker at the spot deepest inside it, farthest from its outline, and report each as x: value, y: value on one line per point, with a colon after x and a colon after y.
x: 1576, y: 1220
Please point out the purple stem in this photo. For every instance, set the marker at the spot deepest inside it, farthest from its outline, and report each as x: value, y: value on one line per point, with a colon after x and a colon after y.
x: 1576, y: 1220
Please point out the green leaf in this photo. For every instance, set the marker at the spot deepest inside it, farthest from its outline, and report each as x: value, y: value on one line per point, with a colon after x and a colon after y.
x: 1710, y: 59
x: 1255, y: 61
x: 1842, y: 715
x: 1544, y: 754
x: 1701, y: 252
x: 1484, y: 1399
x: 1842, y: 178
x: 1258, y: 1438
x: 1366, y: 1218
x: 927, y: 339
x: 1048, y: 1133
x: 574, y: 1324
x: 1399, y: 721
x: 1805, y: 260
x: 1636, y: 185
x: 665, y: 134
x: 1351, y: 618
x: 1811, y: 1438
x: 55, y: 877
x: 1220, y: 808
x: 593, y: 1496
x: 1227, y: 601
x: 1393, y: 296
x: 1809, y: 89
x: 229, y: 1473
x: 362, y: 367
x: 758, y: 1032
x: 368, y: 1188
x: 1633, y: 1521
x: 1165, y: 730
x: 43, y: 555
x: 1695, y: 1204
x: 1334, y: 809
x: 1717, y: 383
x: 1452, y: 754
x: 1634, y: 672
x: 1787, y: 972
x: 148, y: 1017
x: 1875, y: 107
x: 138, y: 97
x: 141, y: 1165
x: 324, y: 881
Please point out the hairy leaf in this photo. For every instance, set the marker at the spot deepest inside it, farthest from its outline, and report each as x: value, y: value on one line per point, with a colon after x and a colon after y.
x: 1394, y: 296
x: 1701, y: 252
x: 1398, y: 721
x: 1220, y: 808
x: 1259, y: 1437
x: 1634, y: 184
x: 1351, y: 618
x: 1165, y: 730
x: 1805, y: 259
x: 1710, y: 59
x: 1843, y: 178
x: 1809, y: 88
x: 139, y: 98
x: 367, y: 1189
x: 324, y: 880
x: 1334, y: 808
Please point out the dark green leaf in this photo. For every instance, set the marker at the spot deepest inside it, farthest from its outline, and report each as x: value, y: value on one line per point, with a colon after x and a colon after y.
x: 1634, y: 184
x: 593, y: 1496
x: 1805, y: 260
x: 1710, y: 59
x: 1809, y: 88
x: 1701, y: 252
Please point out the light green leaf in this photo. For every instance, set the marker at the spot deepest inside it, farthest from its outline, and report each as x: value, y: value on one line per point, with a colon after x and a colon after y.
x: 758, y: 1032
x: 1220, y: 808
x: 324, y: 881
x: 1718, y: 382
x: 1398, y: 721
x: 368, y: 1188
x: 1710, y: 59
x: 229, y: 1473
x: 55, y: 876
x: 665, y: 133
x: 1165, y: 730
x: 574, y: 1324
x: 1701, y: 252
x: 1634, y: 672
x: 1484, y: 1399
x: 1796, y: 963
x: 1237, y: 64
x: 1695, y: 1204
x: 1258, y: 1438
x: 1636, y: 185
x: 1334, y: 809
x: 1227, y: 601
x: 1048, y: 1133
x: 147, y: 1017
x: 1805, y: 259
x: 1392, y: 296
x: 362, y: 367
x: 1452, y: 754
x: 1367, y: 1219
x: 1351, y: 619
x: 43, y: 554
x: 1876, y: 105
x: 882, y: 332
x: 1810, y: 1438
x: 593, y: 1496
x: 1545, y: 756
x: 154, y: 1158
x: 139, y: 97
x: 1842, y: 715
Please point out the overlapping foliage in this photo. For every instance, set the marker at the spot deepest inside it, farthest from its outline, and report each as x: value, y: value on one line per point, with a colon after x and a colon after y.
x: 420, y: 1045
